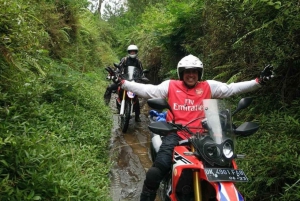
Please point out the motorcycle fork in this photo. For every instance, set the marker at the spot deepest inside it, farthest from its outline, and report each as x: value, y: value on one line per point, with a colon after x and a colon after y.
x: 197, y: 183
x: 123, y: 103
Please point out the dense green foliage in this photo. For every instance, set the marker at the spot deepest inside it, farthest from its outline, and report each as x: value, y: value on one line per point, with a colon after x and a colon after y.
x: 54, y: 127
x: 235, y: 40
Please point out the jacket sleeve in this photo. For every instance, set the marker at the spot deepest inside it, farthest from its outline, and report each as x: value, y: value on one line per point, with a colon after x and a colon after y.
x: 148, y: 90
x: 122, y: 64
x: 223, y: 90
x: 140, y: 64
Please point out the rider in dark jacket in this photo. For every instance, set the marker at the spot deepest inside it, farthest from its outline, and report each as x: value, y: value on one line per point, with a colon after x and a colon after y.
x: 130, y: 60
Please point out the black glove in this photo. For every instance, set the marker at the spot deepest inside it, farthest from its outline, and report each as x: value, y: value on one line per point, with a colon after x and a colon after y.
x: 266, y: 75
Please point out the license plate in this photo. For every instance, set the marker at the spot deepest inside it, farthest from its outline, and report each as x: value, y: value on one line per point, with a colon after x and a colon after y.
x: 225, y: 174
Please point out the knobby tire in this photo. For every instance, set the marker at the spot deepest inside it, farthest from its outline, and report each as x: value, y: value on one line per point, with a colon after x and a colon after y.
x: 125, y: 119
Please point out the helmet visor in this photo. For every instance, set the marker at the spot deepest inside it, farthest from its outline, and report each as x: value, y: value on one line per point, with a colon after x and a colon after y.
x: 132, y: 51
x: 191, y: 70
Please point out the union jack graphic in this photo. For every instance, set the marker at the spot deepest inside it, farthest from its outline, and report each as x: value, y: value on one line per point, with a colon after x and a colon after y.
x: 228, y: 192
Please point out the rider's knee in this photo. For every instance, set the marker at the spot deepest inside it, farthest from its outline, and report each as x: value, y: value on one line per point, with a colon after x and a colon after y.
x: 163, y: 168
x: 153, y: 177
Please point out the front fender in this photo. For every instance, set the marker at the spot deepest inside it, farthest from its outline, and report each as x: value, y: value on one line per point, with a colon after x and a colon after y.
x: 226, y: 191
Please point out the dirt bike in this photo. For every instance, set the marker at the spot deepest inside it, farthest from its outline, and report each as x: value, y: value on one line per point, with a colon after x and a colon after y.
x: 203, y: 165
x: 126, y: 99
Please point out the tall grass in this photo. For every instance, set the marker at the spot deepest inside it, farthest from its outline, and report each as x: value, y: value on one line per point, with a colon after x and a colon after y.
x: 54, y: 127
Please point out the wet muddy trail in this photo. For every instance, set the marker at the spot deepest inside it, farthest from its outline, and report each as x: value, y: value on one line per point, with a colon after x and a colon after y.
x: 130, y: 155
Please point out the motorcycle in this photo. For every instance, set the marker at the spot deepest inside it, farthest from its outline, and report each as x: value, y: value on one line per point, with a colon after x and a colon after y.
x: 126, y: 99
x: 204, y: 166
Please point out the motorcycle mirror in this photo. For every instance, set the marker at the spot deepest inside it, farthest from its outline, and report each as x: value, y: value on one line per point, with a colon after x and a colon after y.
x: 107, y: 69
x: 116, y: 65
x: 158, y: 103
x: 161, y: 128
x: 243, y: 103
x: 246, y: 129
x: 110, y: 69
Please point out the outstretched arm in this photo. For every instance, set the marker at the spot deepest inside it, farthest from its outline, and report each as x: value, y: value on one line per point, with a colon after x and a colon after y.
x: 223, y: 90
x: 122, y: 64
x: 147, y: 90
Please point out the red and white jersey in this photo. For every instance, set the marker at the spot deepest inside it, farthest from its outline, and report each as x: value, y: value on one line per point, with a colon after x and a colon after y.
x: 186, y: 103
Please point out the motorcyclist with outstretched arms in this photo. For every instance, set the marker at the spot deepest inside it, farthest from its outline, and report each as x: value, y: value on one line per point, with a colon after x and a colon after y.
x: 185, y: 98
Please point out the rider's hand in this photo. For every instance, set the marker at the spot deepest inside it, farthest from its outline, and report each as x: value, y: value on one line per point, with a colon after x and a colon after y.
x: 265, y: 75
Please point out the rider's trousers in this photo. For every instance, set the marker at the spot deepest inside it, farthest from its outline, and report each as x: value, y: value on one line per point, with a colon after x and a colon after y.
x: 161, y: 165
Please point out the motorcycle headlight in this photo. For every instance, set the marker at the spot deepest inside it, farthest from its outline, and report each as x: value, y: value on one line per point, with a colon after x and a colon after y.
x: 211, y: 152
x: 228, y: 149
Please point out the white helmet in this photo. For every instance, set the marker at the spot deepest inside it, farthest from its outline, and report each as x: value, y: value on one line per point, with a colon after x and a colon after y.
x: 132, y: 48
x: 189, y: 62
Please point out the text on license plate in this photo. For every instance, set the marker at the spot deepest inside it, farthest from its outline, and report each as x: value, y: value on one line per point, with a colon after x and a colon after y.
x: 225, y: 174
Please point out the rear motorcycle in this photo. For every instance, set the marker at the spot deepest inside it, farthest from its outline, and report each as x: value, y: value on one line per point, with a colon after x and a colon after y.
x: 203, y: 165
x: 126, y: 99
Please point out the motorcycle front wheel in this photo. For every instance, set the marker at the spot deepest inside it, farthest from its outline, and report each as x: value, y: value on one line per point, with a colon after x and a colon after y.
x: 126, y: 116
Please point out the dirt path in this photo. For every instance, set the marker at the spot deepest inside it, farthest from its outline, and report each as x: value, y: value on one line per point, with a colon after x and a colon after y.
x: 129, y: 153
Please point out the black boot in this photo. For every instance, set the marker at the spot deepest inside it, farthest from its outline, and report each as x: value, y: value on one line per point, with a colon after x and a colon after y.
x: 118, y: 104
x: 137, y: 111
x: 137, y: 119
x: 147, y: 194
x: 107, y: 96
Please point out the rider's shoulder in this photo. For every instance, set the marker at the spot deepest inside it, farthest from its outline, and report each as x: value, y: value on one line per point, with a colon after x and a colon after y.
x: 173, y: 82
x: 124, y: 58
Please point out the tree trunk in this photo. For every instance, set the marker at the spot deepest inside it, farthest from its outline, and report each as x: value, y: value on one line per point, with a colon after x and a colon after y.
x: 99, y: 8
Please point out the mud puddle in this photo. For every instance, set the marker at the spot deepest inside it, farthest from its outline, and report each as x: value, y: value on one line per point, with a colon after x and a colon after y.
x: 130, y: 156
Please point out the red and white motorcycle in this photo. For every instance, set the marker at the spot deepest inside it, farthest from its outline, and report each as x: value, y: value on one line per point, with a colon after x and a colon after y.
x: 203, y: 165
x: 126, y: 99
